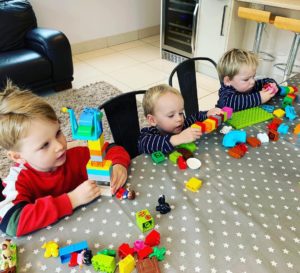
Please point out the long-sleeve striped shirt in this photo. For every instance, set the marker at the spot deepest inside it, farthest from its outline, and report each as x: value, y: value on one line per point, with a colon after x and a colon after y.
x: 152, y: 139
x: 229, y: 96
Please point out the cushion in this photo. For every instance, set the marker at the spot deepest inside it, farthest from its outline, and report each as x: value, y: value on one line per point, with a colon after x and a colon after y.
x: 16, y: 18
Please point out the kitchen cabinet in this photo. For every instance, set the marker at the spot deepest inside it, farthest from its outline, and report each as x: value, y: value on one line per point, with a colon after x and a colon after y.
x: 218, y: 29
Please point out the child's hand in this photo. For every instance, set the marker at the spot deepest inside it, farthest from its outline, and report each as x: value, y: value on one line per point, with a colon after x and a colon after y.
x: 119, y: 176
x: 186, y: 136
x: 84, y: 193
x: 266, y: 95
x: 214, y: 111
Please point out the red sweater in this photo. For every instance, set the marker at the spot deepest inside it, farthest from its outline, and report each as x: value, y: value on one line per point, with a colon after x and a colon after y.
x: 35, y: 199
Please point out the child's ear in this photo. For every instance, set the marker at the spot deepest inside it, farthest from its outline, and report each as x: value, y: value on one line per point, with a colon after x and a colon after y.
x: 151, y: 120
x: 16, y: 157
x: 227, y: 81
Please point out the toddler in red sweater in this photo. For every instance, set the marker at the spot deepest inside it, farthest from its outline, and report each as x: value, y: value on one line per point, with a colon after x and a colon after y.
x: 48, y: 180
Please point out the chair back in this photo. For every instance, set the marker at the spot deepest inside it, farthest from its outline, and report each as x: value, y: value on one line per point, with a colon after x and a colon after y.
x: 186, y: 74
x: 122, y: 116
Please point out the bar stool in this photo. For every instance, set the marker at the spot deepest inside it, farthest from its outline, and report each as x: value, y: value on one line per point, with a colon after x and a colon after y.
x: 261, y: 17
x: 294, y: 26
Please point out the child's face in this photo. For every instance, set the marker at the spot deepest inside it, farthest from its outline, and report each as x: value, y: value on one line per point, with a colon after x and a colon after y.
x: 244, y: 81
x: 44, y: 147
x: 168, y: 114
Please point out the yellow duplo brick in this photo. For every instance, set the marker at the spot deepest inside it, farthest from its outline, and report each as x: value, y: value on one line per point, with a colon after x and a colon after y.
x: 127, y: 264
x: 193, y: 184
x: 96, y: 144
x: 279, y: 113
x: 105, y: 165
x: 195, y: 126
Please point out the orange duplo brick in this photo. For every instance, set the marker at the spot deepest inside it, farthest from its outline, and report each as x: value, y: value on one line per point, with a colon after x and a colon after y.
x: 253, y: 142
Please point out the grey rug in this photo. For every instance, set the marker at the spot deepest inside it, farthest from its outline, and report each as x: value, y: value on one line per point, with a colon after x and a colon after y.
x: 88, y: 96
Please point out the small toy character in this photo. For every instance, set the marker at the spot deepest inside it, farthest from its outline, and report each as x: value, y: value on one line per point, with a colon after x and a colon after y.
x: 123, y: 193
x: 87, y: 256
x: 8, y: 256
x: 163, y: 206
x: 51, y: 249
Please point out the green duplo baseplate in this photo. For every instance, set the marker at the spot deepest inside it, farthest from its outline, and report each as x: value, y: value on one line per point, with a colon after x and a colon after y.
x: 249, y: 117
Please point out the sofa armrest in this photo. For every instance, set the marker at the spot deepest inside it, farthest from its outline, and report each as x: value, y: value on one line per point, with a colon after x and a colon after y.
x: 55, y: 46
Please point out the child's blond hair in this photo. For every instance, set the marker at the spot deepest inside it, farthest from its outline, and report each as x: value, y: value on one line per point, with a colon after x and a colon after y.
x: 17, y: 109
x: 231, y: 62
x: 153, y: 94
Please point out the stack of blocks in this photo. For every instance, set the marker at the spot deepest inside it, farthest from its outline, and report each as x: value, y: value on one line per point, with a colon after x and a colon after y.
x: 90, y: 128
x: 212, y: 122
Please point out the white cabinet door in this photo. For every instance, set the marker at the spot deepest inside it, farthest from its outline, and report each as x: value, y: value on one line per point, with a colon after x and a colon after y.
x: 212, y: 28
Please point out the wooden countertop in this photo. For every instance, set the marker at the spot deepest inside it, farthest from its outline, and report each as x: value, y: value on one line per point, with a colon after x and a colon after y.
x: 287, y: 4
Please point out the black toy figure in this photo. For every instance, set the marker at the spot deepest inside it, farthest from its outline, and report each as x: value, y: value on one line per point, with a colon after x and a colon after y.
x: 163, y: 206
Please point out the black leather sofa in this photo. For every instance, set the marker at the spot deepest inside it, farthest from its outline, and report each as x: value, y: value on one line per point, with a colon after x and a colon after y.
x: 32, y: 57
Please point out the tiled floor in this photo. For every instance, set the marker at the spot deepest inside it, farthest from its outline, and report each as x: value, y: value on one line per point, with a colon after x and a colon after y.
x: 134, y: 66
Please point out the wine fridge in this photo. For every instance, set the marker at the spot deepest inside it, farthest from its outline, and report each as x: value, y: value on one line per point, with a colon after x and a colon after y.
x: 178, y: 29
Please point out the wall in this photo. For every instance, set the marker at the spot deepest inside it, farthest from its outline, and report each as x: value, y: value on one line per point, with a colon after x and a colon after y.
x: 83, y: 21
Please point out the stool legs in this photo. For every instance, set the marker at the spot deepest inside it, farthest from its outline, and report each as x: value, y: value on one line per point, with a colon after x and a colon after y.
x: 256, y: 46
x: 292, y: 56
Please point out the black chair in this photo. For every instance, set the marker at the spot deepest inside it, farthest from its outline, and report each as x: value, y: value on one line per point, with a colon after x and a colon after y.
x: 122, y: 116
x: 186, y: 74
x: 32, y: 57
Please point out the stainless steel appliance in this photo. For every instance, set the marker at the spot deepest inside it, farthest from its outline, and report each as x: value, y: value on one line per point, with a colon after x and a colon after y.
x: 178, y: 29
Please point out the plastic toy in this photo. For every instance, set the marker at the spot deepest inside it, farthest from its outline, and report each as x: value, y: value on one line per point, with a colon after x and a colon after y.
x: 163, y: 207
x: 271, y: 88
x: 248, y: 117
x: 234, y: 137
x: 8, y: 257
x: 193, y: 163
x: 279, y: 113
x: 153, y: 238
x: 138, y: 245
x: 159, y: 253
x: 123, y: 193
x: 263, y: 137
x: 108, y: 252
x: 193, y: 184
x: 158, y: 157
x: 87, y: 256
x: 290, y: 112
x: 283, y: 129
x: 104, y: 263
x: 253, y: 141
x: 226, y: 129
x: 174, y: 157
x: 267, y: 107
x: 148, y: 266
x: 144, y: 220
x: 185, y: 153
x: 89, y: 127
x: 284, y: 90
x: 229, y: 112
x: 297, y: 129
x: 236, y: 152
x: 65, y: 252
x: 192, y: 147
x: 181, y: 163
x: 51, y: 249
x: 124, y: 250
x: 273, y: 135
x: 144, y: 253
x: 127, y: 265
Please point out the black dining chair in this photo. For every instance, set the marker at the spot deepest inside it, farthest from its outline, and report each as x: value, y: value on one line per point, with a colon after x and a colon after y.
x: 122, y: 116
x: 186, y: 74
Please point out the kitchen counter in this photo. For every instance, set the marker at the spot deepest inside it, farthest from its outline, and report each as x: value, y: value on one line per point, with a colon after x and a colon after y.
x: 287, y: 4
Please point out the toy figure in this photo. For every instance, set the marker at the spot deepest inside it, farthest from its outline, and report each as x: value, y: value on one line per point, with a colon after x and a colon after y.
x: 8, y: 257
x: 163, y: 207
x: 51, y: 249
x: 87, y: 256
x: 123, y: 193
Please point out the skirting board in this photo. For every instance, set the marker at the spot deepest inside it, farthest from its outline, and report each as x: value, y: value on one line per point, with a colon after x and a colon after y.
x: 114, y: 40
